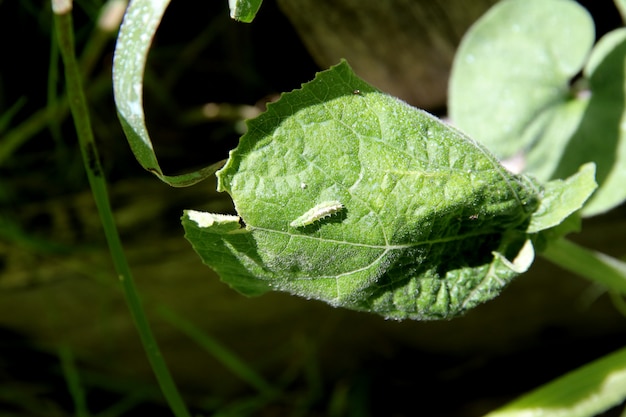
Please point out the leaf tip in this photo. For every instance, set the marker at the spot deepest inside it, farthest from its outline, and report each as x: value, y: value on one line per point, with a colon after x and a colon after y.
x: 244, y: 10
x: 205, y: 220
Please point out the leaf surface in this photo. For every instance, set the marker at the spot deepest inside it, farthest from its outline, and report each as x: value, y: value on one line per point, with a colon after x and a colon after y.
x: 425, y: 223
x: 512, y: 71
x: 511, y: 88
x: 601, y: 134
x: 561, y: 198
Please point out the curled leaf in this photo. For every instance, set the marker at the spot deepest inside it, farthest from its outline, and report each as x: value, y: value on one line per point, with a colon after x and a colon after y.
x: 141, y: 20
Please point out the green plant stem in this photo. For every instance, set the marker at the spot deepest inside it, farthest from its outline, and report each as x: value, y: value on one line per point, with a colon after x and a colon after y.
x: 72, y: 379
x: 56, y: 110
x: 5, y: 118
x: 80, y: 113
x: 590, y: 264
x: 38, y: 121
x: 226, y: 357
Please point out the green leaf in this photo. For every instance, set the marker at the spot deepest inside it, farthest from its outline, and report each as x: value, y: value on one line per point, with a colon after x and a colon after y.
x: 510, y: 89
x: 585, y: 392
x: 601, y: 135
x: 512, y: 71
x: 561, y: 123
x: 561, y: 198
x: 131, y: 52
x: 411, y: 219
x: 244, y: 10
x: 621, y: 6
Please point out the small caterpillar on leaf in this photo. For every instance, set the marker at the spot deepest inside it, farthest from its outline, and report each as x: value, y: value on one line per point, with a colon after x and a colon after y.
x: 325, y: 209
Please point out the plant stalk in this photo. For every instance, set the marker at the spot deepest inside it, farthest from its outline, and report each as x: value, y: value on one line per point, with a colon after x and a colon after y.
x: 72, y: 378
x: 595, y: 266
x: 80, y: 113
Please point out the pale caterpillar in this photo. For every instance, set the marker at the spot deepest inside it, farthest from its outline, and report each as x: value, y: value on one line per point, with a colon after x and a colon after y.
x: 325, y: 209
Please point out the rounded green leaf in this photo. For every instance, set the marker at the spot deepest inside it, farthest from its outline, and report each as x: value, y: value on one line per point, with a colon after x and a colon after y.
x: 512, y: 72
x: 601, y: 133
x: 351, y: 196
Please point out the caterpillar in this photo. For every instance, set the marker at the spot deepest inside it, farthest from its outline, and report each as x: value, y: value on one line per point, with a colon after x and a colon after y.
x: 325, y: 209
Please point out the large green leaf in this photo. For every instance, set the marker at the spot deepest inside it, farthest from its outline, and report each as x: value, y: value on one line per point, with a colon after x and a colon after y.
x: 422, y: 222
x: 512, y: 71
x: 510, y: 89
x: 601, y: 134
x: 141, y: 21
